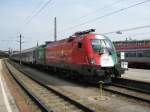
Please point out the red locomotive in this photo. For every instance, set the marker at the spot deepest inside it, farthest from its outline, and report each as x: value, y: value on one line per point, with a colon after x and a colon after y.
x: 90, y: 55
x: 84, y: 55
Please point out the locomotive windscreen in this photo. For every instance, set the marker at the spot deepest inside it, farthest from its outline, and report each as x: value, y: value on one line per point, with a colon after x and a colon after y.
x: 100, y: 44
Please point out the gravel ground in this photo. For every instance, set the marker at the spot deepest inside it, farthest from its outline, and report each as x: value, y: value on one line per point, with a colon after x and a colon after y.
x: 48, y: 98
x: 111, y: 102
x: 22, y: 100
x: 137, y: 74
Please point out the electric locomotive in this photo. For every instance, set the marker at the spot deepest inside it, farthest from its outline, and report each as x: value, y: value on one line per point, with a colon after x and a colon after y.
x: 87, y: 55
x: 84, y: 56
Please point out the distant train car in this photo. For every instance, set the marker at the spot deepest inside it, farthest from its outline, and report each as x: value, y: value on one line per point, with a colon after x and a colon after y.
x: 3, y: 54
x: 27, y: 56
x: 84, y: 55
x: 137, y: 53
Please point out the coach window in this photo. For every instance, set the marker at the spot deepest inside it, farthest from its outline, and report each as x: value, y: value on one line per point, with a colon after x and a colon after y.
x: 134, y: 54
x: 147, y: 54
x: 139, y: 54
x: 126, y: 54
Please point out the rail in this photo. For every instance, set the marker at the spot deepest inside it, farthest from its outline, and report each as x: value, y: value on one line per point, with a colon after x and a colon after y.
x: 43, y: 107
x: 130, y: 88
x: 132, y: 84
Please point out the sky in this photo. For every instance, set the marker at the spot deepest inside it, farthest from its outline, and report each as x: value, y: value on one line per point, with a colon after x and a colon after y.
x: 34, y: 19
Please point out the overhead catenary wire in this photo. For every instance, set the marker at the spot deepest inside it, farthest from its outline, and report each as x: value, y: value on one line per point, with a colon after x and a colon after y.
x: 108, y: 14
x: 35, y: 12
x: 128, y: 29
x: 132, y: 35
x: 44, y: 6
x: 99, y: 9
x: 31, y: 14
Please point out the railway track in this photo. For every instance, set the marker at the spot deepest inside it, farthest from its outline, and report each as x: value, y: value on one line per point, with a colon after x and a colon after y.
x: 46, y: 97
x: 134, y: 89
x: 139, y: 86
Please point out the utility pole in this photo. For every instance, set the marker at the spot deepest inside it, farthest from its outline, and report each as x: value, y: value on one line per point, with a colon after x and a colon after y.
x: 20, y: 46
x: 55, y: 29
x: 9, y: 52
x: 37, y: 44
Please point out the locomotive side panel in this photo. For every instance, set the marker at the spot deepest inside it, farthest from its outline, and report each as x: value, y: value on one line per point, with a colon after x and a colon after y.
x: 79, y: 54
x: 66, y: 54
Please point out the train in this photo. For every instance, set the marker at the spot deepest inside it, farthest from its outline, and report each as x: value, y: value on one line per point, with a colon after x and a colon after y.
x: 137, y: 52
x: 84, y: 55
x: 3, y: 54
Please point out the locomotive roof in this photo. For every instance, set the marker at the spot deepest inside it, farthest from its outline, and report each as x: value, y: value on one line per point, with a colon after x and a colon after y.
x: 99, y: 36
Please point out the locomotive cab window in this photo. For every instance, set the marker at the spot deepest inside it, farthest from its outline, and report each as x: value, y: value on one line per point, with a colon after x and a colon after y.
x: 79, y: 44
x: 99, y: 45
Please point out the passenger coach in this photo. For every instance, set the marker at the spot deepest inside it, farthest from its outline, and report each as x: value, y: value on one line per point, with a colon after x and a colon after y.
x: 137, y: 52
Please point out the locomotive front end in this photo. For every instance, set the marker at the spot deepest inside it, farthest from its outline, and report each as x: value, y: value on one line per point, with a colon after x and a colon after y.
x: 105, y: 50
x: 103, y: 58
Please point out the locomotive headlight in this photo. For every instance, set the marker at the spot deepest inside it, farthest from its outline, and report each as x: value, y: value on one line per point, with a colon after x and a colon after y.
x: 93, y: 61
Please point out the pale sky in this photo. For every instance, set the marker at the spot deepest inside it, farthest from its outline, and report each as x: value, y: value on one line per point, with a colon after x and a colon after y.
x: 15, y: 19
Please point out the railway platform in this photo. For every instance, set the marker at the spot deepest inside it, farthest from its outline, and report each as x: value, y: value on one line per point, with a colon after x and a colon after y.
x: 7, y: 103
x: 137, y: 74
